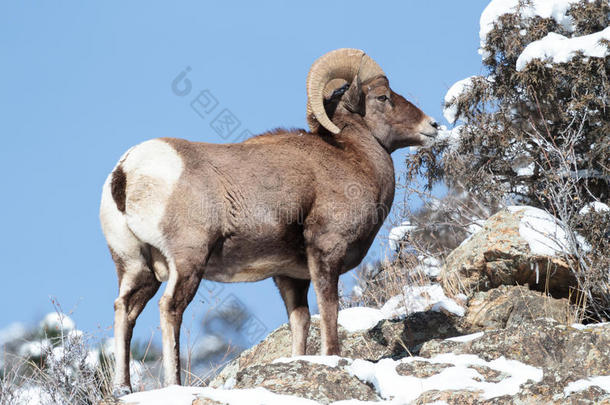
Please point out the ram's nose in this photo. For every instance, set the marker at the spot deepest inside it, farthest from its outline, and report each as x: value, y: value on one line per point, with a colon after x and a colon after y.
x: 429, y: 127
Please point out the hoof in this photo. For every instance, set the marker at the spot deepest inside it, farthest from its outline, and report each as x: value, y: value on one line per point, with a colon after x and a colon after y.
x: 120, y: 391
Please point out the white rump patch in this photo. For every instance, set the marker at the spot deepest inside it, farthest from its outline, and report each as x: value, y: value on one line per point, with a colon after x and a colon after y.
x: 152, y: 169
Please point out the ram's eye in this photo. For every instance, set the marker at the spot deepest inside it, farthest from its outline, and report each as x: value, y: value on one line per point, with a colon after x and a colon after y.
x: 382, y: 98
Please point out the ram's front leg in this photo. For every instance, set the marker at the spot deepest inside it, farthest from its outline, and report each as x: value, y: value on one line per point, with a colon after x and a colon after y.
x: 325, y: 258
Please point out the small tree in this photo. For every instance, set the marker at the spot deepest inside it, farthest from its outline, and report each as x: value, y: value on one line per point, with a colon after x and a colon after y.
x: 536, y: 130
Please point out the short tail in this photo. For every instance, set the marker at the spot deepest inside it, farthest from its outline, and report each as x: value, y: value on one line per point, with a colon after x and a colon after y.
x: 118, y: 185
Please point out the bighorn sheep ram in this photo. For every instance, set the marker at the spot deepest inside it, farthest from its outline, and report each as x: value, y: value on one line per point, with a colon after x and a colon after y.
x: 179, y: 211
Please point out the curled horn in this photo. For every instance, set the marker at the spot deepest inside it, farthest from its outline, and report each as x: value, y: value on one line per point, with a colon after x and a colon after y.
x: 344, y: 64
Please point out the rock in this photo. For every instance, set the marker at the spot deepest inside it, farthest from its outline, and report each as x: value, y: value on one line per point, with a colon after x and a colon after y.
x: 499, y: 254
x: 508, y: 306
x: 564, y: 353
x: 306, y: 380
x: 389, y: 338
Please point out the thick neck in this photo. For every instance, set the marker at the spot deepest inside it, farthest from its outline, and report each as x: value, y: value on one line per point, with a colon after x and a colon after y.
x: 367, y: 150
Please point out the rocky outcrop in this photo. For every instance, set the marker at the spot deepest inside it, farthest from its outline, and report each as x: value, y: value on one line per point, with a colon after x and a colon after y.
x: 565, y: 354
x: 538, y: 361
x: 512, y: 346
x: 494, y: 309
x: 515, y: 246
x: 389, y: 338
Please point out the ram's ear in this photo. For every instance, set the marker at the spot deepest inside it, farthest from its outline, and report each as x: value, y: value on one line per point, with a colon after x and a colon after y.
x: 354, y: 98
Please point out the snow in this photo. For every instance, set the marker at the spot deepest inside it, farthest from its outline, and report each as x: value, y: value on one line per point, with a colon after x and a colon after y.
x: 523, y: 167
x: 422, y: 298
x: 179, y: 395
x: 359, y: 318
x: 580, y: 326
x: 429, y: 266
x: 398, y: 233
x: 475, y: 226
x: 555, y: 48
x: 414, y: 299
x: 35, y: 348
x: 466, y: 338
x: 452, y: 136
x: 592, y: 206
x: 15, y: 331
x: 556, y: 9
x: 32, y: 395
x: 58, y: 322
x: 544, y: 233
x: 450, y: 110
x: 403, y: 389
x: 602, y: 382
x: 208, y: 345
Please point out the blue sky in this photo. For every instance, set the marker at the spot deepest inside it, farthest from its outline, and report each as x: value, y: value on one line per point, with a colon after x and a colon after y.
x: 80, y: 82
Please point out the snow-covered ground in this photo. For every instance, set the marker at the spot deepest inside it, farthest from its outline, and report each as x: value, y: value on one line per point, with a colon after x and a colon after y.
x: 392, y: 387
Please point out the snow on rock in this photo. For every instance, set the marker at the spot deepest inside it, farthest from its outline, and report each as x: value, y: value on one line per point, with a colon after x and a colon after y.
x: 589, y: 326
x: 57, y: 322
x: 544, y: 233
x: 592, y: 206
x: 555, y: 48
x: 414, y: 299
x: 422, y: 298
x: 359, y: 318
x: 398, y: 233
x: 475, y: 226
x: 466, y: 338
x: 602, y: 382
x: 556, y: 9
x: 404, y: 389
x: 180, y: 395
x: 450, y: 110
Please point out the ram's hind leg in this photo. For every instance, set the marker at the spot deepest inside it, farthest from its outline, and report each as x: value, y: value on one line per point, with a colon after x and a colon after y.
x: 137, y: 285
x: 184, y: 279
x: 294, y: 294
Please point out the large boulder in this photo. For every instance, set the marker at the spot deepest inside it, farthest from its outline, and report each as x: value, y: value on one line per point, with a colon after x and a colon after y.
x: 518, y: 245
x: 508, y: 306
x: 304, y: 379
